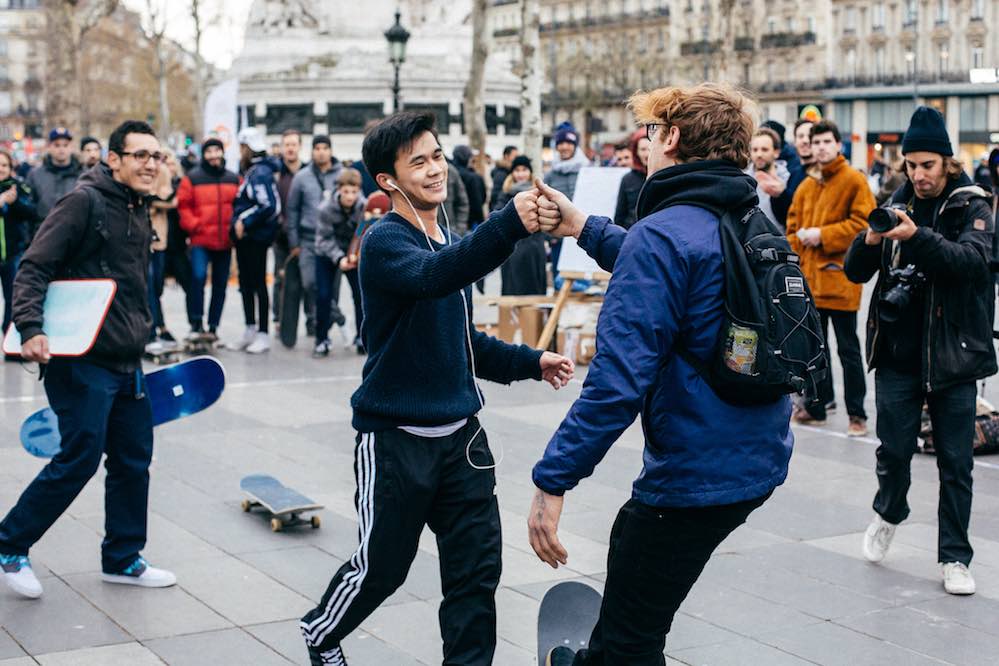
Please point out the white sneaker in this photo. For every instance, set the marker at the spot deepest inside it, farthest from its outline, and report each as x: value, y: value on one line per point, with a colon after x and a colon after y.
x: 249, y: 335
x: 141, y: 574
x: 261, y: 343
x: 957, y: 579
x: 155, y: 347
x: 878, y: 538
x: 19, y: 577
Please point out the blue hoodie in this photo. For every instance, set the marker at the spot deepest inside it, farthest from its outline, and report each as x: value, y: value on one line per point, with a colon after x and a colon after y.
x: 257, y: 204
x: 667, y: 285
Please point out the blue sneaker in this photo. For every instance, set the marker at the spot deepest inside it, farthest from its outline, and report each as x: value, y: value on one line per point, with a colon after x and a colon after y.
x: 19, y: 576
x: 560, y: 656
x: 140, y: 573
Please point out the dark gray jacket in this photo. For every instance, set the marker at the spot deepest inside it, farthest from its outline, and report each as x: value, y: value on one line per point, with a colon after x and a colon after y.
x: 50, y: 183
x: 336, y: 227
x: 304, y: 200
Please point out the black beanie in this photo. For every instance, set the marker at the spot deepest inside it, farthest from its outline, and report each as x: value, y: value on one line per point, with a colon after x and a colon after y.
x: 521, y: 160
x: 927, y: 132
x: 321, y: 139
x: 212, y: 142
x: 777, y: 127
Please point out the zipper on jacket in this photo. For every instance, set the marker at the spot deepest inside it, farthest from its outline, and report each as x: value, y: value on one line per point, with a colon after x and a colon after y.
x: 218, y: 208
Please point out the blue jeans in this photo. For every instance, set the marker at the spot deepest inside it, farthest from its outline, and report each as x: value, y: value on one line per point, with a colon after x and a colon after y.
x: 8, y: 270
x: 157, y: 262
x: 327, y: 293
x: 99, y: 414
x: 220, y: 261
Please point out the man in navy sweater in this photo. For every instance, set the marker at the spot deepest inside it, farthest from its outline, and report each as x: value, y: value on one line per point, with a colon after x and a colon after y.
x: 421, y: 457
x: 707, y: 464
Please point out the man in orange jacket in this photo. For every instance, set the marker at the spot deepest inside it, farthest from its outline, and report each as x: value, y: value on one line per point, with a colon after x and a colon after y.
x: 829, y: 209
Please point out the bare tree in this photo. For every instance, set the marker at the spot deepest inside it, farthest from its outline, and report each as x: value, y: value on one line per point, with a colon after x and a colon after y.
x: 155, y: 31
x: 530, y: 79
x: 475, y: 110
x: 67, y: 23
x: 200, y: 76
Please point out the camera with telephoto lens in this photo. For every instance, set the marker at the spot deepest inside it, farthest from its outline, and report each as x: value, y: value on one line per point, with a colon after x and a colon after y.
x: 900, y: 285
x: 884, y: 219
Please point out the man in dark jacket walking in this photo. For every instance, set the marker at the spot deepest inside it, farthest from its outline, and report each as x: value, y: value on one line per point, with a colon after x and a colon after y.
x: 475, y: 186
x: 99, y: 398
x: 291, y: 163
x: 55, y: 176
x: 929, y: 337
x: 708, y: 464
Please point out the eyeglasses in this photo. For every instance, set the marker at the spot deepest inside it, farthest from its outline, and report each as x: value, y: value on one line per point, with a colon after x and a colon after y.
x: 142, y: 156
x: 652, y: 129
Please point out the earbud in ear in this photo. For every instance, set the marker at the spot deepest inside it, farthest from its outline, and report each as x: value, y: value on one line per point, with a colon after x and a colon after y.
x: 391, y: 183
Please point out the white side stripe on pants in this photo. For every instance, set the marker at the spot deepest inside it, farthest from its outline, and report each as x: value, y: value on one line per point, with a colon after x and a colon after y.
x: 317, y: 630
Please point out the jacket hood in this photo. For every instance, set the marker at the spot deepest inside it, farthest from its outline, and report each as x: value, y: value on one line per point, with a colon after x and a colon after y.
x: 462, y: 155
x: 571, y: 165
x: 101, y: 179
x: 74, y: 164
x: 717, y: 185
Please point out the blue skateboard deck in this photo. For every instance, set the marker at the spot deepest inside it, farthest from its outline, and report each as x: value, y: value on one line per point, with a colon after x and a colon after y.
x: 568, y: 613
x: 282, y: 503
x: 175, y: 391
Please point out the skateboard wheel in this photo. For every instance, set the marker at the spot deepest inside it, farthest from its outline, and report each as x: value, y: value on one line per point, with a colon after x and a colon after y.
x: 246, y: 505
x: 315, y: 522
x: 276, y: 524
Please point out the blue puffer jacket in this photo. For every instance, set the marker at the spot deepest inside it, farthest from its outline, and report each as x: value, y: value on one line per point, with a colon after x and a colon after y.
x: 257, y: 203
x: 666, y: 285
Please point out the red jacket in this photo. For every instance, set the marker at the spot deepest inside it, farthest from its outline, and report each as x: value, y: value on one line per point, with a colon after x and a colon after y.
x: 204, y: 202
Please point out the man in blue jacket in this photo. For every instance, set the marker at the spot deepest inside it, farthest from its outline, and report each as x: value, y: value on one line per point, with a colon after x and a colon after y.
x: 707, y: 464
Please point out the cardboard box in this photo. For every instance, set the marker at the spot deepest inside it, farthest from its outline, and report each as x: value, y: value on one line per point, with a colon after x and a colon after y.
x: 520, y: 323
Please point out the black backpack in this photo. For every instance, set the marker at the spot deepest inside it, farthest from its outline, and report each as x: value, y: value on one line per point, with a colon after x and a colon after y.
x: 771, y: 341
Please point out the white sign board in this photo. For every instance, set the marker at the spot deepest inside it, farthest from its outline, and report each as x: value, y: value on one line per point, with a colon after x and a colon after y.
x: 72, y: 316
x: 596, y: 194
x: 221, y: 119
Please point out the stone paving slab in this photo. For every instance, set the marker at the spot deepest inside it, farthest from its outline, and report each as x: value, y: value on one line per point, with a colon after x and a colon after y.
x: 789, y: 587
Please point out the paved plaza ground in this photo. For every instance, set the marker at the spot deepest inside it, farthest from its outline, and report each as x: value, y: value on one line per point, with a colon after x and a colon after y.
x: 790, y: 587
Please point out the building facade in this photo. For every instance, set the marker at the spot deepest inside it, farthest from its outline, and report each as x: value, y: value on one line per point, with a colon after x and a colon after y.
x: 863, y: 63
x: 320, y: 70
x: 22, y: 69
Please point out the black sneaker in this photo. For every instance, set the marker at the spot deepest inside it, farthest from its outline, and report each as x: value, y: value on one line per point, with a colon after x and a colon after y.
x: 165, y: 336
x: 322, y: 350
x: 332, y: 658
x: 830, y: 407
x: 560, y: 656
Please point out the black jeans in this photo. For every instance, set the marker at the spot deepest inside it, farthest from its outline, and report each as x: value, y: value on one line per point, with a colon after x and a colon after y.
x: 656, y: 555
x: 900, y: 398
x: 848, y: 349
x: 99, y: 414
x: 8, y: 269
x: 403, y: 483
x: 327, y: 296
x: 220, y: 261
x: 251, y: 258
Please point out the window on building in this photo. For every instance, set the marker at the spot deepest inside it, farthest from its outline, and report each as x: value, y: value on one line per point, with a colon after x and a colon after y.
x: 351, y: 118
x: 842, y: 115
x: 878, y: 16
x: 943, y: 55
x: 889, y: 115
x: 977, y: 9
x: 942, y: 13
x: 974, y: 114
x: 770, y: 71
x: 977, y: 57
x: 851, y: 63
x: 790, y: 24
x: 850, y: 19
x: 811, y: 24
x: 879, y: 63
x: 281, y: 117
x: 911, y: 11
x: 771, y: 25
x: 745, y: 73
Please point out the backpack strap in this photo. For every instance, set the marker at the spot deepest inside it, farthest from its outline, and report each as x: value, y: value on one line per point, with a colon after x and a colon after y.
x: 97, y: 219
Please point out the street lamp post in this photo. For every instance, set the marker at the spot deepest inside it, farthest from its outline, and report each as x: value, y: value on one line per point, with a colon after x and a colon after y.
x: 397, y: 37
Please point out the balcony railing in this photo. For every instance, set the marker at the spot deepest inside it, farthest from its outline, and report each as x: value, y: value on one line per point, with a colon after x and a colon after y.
x: 606, y: 19
x: 782, y: 40
x: 506, y: 32
x: 745, y: 43
x: 702, y: 47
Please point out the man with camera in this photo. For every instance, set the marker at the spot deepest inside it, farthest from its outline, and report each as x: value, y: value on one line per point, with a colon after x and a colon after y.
x: 929, y: 335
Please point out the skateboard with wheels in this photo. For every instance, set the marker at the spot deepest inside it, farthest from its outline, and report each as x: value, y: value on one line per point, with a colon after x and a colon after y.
x: 200, y: 343
x: 567, y: 616
x: 175, y: 391
x: 285, y: 505
x: 291, y: 302
x: 165, y: 355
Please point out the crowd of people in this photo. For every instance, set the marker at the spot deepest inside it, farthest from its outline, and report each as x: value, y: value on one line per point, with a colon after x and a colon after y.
x: 698, y: 165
